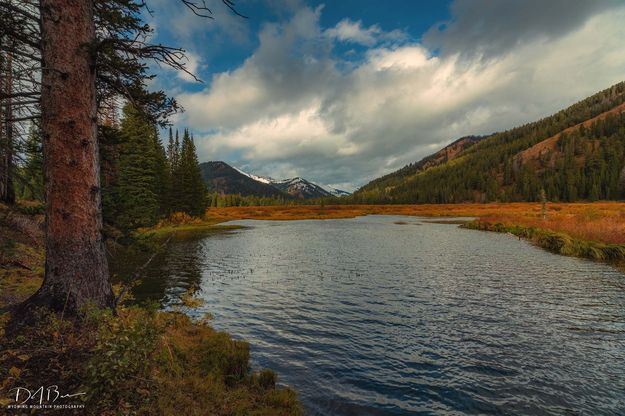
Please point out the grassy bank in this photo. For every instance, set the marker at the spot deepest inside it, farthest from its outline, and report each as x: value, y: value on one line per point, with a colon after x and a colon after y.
x: 182, y: 223
x: 591, y: 230
x: 140, y: 361
x: 306, y: 212
x: 557, y: 242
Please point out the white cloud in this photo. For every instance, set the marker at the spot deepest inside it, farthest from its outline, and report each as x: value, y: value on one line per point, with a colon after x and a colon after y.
x: 293, y: 108
x: 192, y: 63
x: 352, y: 31
x: 284, y: 74
x: 284, y: 137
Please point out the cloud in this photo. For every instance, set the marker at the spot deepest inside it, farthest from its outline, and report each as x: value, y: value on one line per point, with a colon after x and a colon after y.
x: 491, y: 28
x: 296, y: 107
x: 283, y: 74
x: 185, y: 26
x: 352, y: 32
x: 192, y: 63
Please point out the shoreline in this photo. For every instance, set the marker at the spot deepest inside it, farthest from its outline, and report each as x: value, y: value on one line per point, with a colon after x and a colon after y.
x: 558, y: 243
x: 557, y: 234
x: 136, y: 358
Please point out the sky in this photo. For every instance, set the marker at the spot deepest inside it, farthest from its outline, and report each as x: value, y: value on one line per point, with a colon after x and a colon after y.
x: 342, y: 92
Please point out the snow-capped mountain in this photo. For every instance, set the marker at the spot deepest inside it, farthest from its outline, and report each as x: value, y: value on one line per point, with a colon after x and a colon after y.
x: 336, y: 192
x: 297, y: 187
x: 256, y: 178
x: 301, y: 188
x: 223, y: 178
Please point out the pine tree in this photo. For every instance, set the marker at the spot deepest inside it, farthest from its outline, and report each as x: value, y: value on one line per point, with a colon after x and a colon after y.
x: 109, y: 140
x: 189, y: 188
x: 162, y: 176
x: 175, y: 192
x: 76, y: 268
x: 171, y: 150
x: 138, y: 194
x: 176, y: 152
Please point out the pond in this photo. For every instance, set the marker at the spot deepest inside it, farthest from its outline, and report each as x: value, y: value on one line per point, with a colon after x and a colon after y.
x: 389, y: 315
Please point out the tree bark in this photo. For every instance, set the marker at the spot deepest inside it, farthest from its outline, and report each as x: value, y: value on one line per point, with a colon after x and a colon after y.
x: 76, y: 270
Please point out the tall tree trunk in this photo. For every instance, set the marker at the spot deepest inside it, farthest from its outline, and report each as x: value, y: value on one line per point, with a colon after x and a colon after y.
x: 3, y: 168
x: 7, y: 189
x: 76, y: 270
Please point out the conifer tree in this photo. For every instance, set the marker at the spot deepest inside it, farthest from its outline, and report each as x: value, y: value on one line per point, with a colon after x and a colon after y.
x: 110, y: 139
x: 137, y: 195
x: 170, y: 148
x: 176, y: 152
x: 175, y: 192
x: 189, y: 189
x: 162, y: 176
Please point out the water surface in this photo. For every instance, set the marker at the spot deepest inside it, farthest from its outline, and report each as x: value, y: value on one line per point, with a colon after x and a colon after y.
x: 368, y: 317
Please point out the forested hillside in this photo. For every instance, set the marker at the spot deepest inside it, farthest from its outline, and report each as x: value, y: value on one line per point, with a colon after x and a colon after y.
x: 575, y: 154
x: 444, y: 155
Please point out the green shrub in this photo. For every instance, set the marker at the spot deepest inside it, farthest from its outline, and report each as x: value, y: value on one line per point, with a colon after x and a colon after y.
x: 225, y: 357
x: 121, y: 356
x: 143, y: 362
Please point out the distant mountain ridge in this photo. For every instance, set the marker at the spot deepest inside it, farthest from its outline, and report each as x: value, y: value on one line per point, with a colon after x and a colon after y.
x: 576, y: 154
x: 301, y: 188
x: 225, y: 179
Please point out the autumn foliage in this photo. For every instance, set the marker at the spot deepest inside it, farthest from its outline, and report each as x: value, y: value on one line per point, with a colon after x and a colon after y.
x: 597, y: 221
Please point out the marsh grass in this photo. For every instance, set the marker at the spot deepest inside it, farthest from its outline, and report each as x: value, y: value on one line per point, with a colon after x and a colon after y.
x: 557, y: 242
x: 598, y: 221
x: 591, y: 230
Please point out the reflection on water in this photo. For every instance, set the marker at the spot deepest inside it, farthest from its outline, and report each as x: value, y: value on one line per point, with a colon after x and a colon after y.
x: 393, y: 315
x: 175, y: 267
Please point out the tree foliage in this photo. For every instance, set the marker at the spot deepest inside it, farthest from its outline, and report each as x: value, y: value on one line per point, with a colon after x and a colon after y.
x: 217, y: 200
x: 147, y: 182
x: 188, y: 188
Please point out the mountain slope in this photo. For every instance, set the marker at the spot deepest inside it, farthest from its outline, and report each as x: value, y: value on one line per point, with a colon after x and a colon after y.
x: 336, y: 192
x: 261, y: 179
x: 578, y: 153
x: 444, y: 155
x: 224, y: 179
x: 301, y: 188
